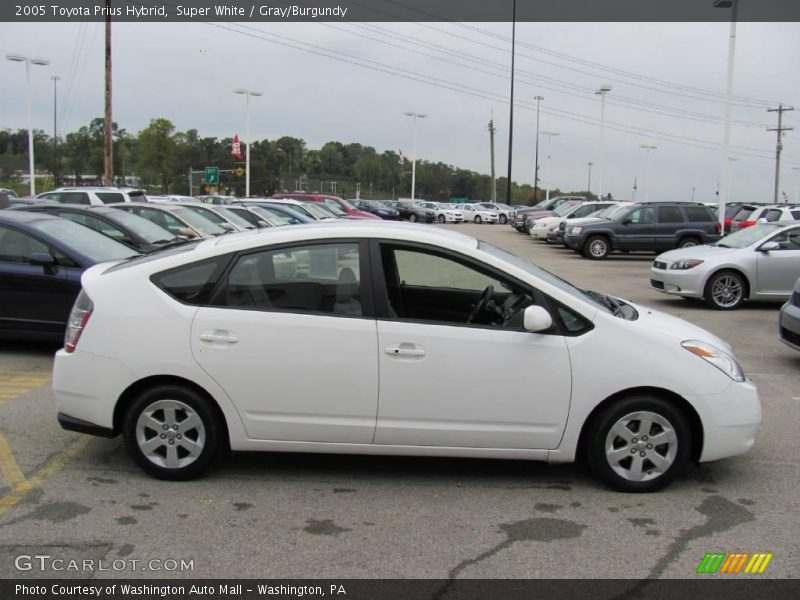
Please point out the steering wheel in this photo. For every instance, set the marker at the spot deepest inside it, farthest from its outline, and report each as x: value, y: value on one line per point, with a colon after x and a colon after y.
x: 486, y: 296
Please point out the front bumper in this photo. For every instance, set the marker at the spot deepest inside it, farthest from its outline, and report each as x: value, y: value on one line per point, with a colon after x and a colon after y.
x: 539, y: 233
x: 789, y: 325
x: 688, y: 283
x: 575, y: 242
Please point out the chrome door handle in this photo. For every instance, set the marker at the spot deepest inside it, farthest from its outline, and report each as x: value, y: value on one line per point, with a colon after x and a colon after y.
x: 404, y: 350
x: 219, y: 337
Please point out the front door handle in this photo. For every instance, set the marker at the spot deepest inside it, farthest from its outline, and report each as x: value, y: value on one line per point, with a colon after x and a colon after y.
x: 219, y: 337
x: 404, y: 349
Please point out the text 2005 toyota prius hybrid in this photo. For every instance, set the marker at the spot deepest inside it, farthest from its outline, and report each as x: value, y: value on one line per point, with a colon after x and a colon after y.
x: 350, y: 337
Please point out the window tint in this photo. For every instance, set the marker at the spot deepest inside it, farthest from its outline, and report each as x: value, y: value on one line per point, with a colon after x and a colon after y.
x: 93, y: 245
x: 110, y: 197
x: 796, y: 215
x: 161, y: 218
x: 642, y: 216
x: 584, y: 211
x: 789, y: 240
x: 16, y: 246
x: 669, y: 214
x: 743, y: 213
x: 697, y: 214
x: 98, y: 225
x: 193, y: 283
x: 74, y: 198
x: 772, y: 215
x: 320, y: 278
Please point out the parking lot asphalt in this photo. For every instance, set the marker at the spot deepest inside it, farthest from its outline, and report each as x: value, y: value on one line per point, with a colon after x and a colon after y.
x: 281, y: 515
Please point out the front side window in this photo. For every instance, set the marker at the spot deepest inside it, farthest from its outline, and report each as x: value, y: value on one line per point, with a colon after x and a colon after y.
x: 425, y: 285
x: 17, y: 247
x: 318, y: 278
x: 788, y: 240
x: 642, y: 216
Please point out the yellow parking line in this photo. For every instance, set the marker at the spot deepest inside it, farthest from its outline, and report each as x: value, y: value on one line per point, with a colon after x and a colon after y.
x: 9, y: 467
x: 50, y: 469
x: 13, y: 384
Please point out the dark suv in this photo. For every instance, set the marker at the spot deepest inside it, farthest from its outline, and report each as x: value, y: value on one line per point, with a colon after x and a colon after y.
x: 652, y: 226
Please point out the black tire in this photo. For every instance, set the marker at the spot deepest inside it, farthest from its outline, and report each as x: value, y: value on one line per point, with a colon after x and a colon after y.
x: 205, y: 433
x: 412, y: 217
x: 503, y: 219
x: 597, y: 247
x: 442, y: 218
x: 725, y: 290
x: 689, y: 242
x: 477, y: 220
x: 649, y: 466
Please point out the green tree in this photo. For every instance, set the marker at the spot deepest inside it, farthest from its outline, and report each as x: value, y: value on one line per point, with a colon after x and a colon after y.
x: 157, y: 153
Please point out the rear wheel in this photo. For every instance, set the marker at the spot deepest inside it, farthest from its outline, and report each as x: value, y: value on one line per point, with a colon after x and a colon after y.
x: 442, y: 219
x: 503, y: 219
x: 478, y: 219
x: 725, y: 291
x: 172, y: 432
x: 639, y: 444
x: 597, y: 247
x: 412, y: 217
x: 688, y: 242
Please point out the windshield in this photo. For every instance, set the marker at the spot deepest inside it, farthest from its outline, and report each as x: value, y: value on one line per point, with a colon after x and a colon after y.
x: 748, y: 237
x: 445, y: 206
x: 198, y: 221
x: 234, y: 218
x: 87, y: 242
x: 335, y: 209
x: 281, y: 218
x: 208, y: 214
x: 342, y: 203
x: 147, y: 230
x: 316, y: 211
x: 610, y: 212
x: 565, y: 208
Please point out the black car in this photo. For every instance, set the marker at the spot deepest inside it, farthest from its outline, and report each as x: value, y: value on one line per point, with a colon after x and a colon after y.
x: 413, y: 211
x: 124, y: 227
x: 653, y: 226
x: 521, y: 220
x: 377, y: 208
x: 42, y: 258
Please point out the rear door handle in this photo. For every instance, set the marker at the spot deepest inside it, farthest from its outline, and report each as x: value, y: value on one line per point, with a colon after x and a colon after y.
x: 219, y: 337
x: 404, y: 350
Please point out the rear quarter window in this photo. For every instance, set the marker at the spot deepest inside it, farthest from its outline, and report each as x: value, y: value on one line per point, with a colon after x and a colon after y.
x: 110, y: 197
x: 696, y: 214
x: 192, y: 283
x: 74, y: 198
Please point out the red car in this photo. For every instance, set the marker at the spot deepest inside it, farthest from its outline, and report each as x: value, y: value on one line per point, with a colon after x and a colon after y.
x: 333, y: 202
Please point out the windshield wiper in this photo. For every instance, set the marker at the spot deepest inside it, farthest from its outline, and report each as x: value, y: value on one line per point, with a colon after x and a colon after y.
x: 610, y: 303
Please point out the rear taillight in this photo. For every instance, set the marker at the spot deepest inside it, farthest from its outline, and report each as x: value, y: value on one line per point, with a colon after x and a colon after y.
x: 717, y: 228
x: 78, y: 318
x: 743, y: 224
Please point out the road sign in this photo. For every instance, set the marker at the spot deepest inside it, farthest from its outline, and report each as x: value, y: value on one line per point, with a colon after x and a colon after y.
x: 212, y: 175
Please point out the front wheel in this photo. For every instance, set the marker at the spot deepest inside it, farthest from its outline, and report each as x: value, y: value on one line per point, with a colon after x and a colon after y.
x: 597, y: 247
x: 172, y: 432
x: 503, y: 219
x: 725, y: 291
x: 639, y: 444
x: 477, y: 220
x: 442, y: 218
x: 412, y: 217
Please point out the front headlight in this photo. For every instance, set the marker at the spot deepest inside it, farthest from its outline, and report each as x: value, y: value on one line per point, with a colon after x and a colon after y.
x: 687, y: 263
x: 721, y: 359
x: 576, y: 230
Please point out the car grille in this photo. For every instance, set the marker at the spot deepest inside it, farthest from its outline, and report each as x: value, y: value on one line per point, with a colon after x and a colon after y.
x: 562, y: 226
x: 657, y: 264
x: 790, y: 336
x: 659, y: 285
x: 796, y: 298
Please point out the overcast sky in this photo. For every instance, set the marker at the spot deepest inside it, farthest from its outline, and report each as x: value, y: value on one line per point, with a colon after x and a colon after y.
x: 186, y: 73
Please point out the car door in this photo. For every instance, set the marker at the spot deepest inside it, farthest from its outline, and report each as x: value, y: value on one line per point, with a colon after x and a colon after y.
x: 670, y: 220
x: 777, y: 270
x: 637, y: 230
x: 291, y: 339
x: 33, y: 298
x: 516, y: 393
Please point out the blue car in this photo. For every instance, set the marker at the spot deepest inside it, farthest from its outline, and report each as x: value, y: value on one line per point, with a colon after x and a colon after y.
x: 42, y: 258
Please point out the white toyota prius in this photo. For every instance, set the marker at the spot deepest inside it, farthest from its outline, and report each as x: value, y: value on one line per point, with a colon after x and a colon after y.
x: 351, y: 337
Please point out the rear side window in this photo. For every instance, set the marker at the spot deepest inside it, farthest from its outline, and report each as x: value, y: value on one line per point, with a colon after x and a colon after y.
x: 193, y: 283
x: 743, y: 213
x: 74, y: 198
x: 773, y: 215
x: 696, y: 214
x: 669, y: 214
x: 110, y: 197
x: 796, y: 215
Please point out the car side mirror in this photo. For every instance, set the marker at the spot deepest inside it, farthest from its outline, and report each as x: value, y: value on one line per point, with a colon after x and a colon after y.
x: 262, y: 224
x: 536, y: 319
x: 227, y: 227
x: 626, y: 221
x: 186, y: 232
x: 46, y: 260
x: 768, y: 246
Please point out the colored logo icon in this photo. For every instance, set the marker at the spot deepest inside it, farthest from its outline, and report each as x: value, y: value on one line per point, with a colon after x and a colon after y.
x: 734, y: 562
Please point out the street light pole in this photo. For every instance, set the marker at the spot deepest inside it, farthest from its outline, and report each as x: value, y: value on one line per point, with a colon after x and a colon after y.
x: 414, y: 151
x: 247, y: 94
x: 589, y: 185
x: 55, y: 79
x: 647, y: 148
x: 536, y: 160
x: 28, y: 61
x: 604, y: 89
x: 723, y: 197
x: 549, y: 135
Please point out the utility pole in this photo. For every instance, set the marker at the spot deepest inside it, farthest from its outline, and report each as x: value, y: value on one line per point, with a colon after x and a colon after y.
x: 511, y: 101
x: 492, y: 130
x: 779, y: 129
x: 536, y: 160
x: 55, y: 79
x: 692, y: 193
x: 549, y: 135
x: 108, y: 152
x: 589, y: 185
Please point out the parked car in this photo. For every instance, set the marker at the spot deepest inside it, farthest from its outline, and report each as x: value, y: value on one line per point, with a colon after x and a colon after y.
x: 215, y: 199
x: 504, y: 212
x: 607, y: 213
x: 750, y: 214
x: 412, y: 211
x: 760, y: 262
x: 126, y: 228
x: 9, y: 192
x: 651, y: 226
x: 221, y: 215
x: 341, y: 203
x: 477, y: 213
x: 41, y: 260
x: 520, y: 215
x: 445, y: 212
x: 377, y: 208
x: 167, y: 198
x: 547, y: 228
x: 93, y: 195
x: 256, y: 216
x: 198, y: 324
x: 178, y: 219
x: 790, y: 319
x: 281, y: 211
x: 731, y: 208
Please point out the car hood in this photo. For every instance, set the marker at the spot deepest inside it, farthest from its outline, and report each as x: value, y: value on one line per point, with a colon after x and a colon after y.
x: 699, y: 252
x: 677, y: 328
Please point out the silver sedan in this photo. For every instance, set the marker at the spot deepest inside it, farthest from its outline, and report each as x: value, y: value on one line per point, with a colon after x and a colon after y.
x: 758, y: 263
